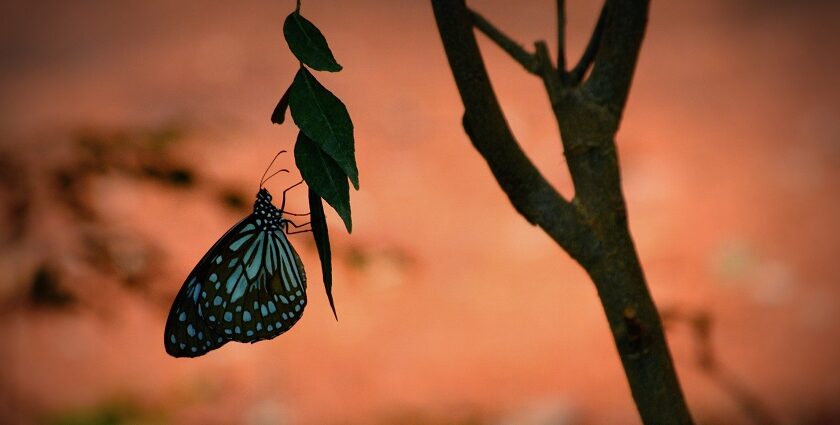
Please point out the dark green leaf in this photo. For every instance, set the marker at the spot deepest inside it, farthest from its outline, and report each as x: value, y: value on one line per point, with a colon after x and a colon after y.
x: 324, y: 177
x: 279, y: 114
x: 324, y: 119
x: 322, y: 241
x: 308, y: 44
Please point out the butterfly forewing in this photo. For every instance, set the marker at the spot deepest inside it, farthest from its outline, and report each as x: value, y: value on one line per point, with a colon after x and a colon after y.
x: 248, y: 287
x: 187, y: 334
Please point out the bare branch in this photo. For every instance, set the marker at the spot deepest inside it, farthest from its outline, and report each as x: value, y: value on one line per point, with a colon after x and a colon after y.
x: 592, y: 228
x: 561, y: 36
x: 554, y: 85
x: 577, y: 73
x: 618, y: 52
x: 528, y: 190
x: 514, y: 49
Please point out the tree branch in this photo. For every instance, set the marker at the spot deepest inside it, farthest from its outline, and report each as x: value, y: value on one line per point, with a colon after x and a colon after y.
x: 555, y: 86
x: 618, y: 52
x: 561, y: 36
x: 529, y: 192
x: 514, y: 49
x: 593, y: 227
x: 577, y: 73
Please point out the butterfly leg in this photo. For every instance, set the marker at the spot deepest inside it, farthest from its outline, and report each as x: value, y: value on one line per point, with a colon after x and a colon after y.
x: 283, y: 204
x: 286, y: 224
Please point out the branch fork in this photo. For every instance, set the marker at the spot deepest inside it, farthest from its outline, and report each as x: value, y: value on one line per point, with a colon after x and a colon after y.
x: 587, y: 102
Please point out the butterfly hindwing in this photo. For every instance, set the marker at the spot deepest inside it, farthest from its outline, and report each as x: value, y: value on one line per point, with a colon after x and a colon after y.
x: 258, y: 293
x: 280, y: 305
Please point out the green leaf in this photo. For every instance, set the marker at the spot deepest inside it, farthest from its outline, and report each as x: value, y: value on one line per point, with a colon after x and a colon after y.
x: 279, y: 114
x: 318, y: 221
x: 308, y: 44
x: 324, y: 177
x: 324, y: 119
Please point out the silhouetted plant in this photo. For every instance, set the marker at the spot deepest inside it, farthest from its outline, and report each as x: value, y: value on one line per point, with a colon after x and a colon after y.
x: 592, y: 227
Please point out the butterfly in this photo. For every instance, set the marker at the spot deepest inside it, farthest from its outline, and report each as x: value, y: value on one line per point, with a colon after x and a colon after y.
x: 250, y: 286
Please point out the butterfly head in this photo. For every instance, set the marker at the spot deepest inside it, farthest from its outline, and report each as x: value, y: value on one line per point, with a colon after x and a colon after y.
x: 264, y: 209
x: 263, y: 195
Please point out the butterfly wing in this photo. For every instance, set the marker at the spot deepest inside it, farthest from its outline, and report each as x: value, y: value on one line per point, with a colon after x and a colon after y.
x: 249, y: 286
x: 259, y: 293
x: 187, y: 333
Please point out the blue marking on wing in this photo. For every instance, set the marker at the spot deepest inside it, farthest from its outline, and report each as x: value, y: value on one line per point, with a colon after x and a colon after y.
x: 235, y: 246
x: 233, y: 280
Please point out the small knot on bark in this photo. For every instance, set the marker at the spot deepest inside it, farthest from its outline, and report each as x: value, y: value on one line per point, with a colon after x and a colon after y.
x: 634, y: 326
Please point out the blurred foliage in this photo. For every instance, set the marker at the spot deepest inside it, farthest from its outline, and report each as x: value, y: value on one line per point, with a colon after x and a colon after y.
x: 700, y: 323
x: 356, y: 257
x: 124, y: 256
x: 69, y: 186
x: 14, y: 192
x: 162, y: 137
x: 175, y: 176
x: 733, y: 260
x: 360, y: 258
x: 114, y: 412
x: 143, y: 153
x: 421, y: 417
x: 827, y: 414
x: 46, y: 291
x: 234, y: 200
x: 147, y: 155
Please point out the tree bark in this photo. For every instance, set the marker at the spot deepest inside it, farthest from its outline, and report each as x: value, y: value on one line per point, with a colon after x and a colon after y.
x: 593, y: 226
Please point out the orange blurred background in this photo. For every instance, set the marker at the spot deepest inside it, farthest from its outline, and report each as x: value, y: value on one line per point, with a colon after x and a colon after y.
x: 133, y: 134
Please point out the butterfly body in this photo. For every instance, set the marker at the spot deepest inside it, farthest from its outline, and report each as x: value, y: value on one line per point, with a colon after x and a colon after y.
x: 250, y: 286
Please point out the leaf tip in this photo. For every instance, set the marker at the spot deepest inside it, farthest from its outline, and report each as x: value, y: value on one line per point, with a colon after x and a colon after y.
x: 278, y: 116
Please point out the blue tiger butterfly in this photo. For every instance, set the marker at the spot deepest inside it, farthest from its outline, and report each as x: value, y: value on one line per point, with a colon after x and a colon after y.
x: 250, y: 286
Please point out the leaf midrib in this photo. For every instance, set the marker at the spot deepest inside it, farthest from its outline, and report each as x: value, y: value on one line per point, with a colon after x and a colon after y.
x: 309, y: 85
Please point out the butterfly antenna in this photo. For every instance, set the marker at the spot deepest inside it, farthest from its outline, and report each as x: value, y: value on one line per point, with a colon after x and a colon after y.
x: 263, y: 179
x: 272, y: 175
